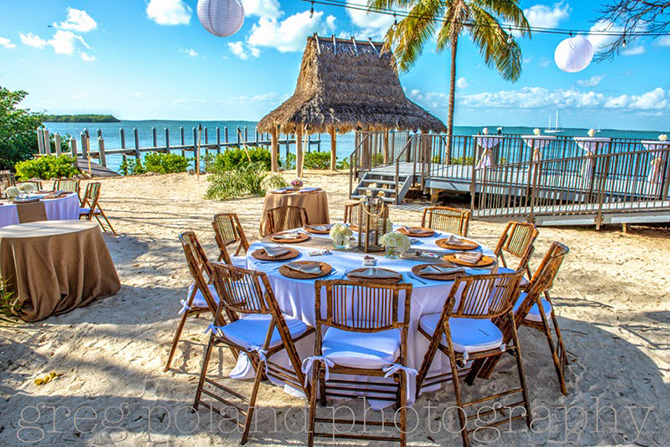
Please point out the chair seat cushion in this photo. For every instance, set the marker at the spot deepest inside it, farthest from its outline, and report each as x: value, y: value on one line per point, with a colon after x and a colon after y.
x: 534, y: 314
x: 374, y: 350
x: 239, y: 261
x: 524, y: 281
x: 467, y: 334
x: 252, y: 329
x: 85, y: 211
x: 199, y: 300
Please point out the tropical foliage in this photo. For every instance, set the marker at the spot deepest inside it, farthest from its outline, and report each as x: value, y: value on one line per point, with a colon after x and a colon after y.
x: 18, y: 141
x: 47, y: 167
x: 246, y: 180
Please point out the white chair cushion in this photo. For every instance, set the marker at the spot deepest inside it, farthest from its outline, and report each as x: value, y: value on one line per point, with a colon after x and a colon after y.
x: 199, y: 299
x: 534, y: 314
x: 524, y: 281
x: 374, y: 350
x: 85, y: 211
x: 252, y: 329
x: 467, y: 334
x: 239, y: 261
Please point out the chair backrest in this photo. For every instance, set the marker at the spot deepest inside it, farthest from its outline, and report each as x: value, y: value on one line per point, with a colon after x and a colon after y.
x: 444, y: 218
x: 67, y: 185
x: 543, y: 279
x: 351, y: 213
x: 228, y: 231
x: 483, y: 296
x: 198, y: 266
x: 518, y: 240
x: 37, y: 185
x: 286, y: 217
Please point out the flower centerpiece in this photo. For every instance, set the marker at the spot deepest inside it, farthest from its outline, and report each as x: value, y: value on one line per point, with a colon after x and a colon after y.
x: 395, y: 244
x: 592, y: 133
x: 485, y: 131
x: 663, y: 138
x: 296, y: 184
x: 340, y: 234
x: 537, y: 132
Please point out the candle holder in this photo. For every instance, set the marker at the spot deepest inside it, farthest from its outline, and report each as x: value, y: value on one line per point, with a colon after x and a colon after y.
x: 373, y: 215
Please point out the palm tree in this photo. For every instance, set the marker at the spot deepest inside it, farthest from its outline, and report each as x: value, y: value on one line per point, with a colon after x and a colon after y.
x: 446, y: 20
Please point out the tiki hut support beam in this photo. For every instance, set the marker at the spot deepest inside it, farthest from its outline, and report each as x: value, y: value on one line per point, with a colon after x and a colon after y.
x: 274, y: 150
x: 333, y: 149
x: 298, y: 150
x: 386, y: 147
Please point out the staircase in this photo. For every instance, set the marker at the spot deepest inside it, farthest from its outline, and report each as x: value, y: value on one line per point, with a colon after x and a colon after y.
x: 382, y: 185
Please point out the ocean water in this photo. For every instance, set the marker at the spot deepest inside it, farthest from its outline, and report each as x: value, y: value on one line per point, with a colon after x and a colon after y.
x: 345, y: 142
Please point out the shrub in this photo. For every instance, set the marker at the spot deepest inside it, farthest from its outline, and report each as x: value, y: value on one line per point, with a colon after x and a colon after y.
x: 235, y: 157
x: 18, y: 141
x: 9, y: 304
x: 131, y: 166
x: 251, y: 179
x: 317, y: 160
x: 162, y: 163
x: 46, y: 167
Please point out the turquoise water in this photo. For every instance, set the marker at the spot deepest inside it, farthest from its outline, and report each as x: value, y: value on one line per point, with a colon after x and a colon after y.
x: 345, y: 143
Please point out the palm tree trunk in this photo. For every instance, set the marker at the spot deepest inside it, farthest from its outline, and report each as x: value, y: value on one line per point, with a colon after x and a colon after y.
x: 452, y: 98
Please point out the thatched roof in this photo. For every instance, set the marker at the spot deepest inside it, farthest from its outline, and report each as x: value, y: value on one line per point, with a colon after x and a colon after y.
x: 348, y: 84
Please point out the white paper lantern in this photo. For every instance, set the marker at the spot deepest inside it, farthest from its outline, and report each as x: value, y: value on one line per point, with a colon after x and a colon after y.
x: 574, y: 54
x: 222, y: 18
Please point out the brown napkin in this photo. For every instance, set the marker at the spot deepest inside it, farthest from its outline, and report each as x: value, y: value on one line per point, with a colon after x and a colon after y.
x: 319, y: 227
x: 274, y: 252
x: 409, y: 230
x: 31, y: 212
x: 372, y: 273
x: 453, y: 240
x: 439, y: 270
x: 313, y: 268
x: 470, y: 258
x: 287, y: 236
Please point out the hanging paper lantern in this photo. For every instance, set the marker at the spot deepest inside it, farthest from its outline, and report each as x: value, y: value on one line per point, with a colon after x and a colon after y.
x: 222, y: 18
x: 574, y: 54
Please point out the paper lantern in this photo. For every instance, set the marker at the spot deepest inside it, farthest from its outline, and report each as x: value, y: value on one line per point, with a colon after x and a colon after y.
x: 222, y: 18
x: 574, y: 54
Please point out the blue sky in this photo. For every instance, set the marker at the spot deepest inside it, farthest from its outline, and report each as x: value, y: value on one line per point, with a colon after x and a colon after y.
x: 151, y: 59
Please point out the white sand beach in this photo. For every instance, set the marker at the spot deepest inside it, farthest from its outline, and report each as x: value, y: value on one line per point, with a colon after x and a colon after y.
x: 611, y: 298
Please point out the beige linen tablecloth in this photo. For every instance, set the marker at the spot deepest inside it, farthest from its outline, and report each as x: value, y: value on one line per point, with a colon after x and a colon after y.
x: 55, y: 266
x: 315, y: 203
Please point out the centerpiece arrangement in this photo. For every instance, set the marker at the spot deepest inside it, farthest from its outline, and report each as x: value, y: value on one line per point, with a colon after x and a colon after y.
x: 395, y: 244
x: 340, y: 234
x: 373, y: 218
x: 297, y: 184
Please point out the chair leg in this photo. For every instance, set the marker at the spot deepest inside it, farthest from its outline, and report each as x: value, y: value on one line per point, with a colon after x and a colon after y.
x: 519, y: 365
x: 203, y: 372
x: 402, y: 383
x: 457, y: 389
x: 252, y: 403
x: 180, y: 328
x: 107, y: 220
x: 555, y: 349
x: 312, y: 405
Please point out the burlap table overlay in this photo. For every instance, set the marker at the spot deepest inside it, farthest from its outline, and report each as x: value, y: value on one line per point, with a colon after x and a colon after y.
x: 55, y: 266
x: 315, y: 203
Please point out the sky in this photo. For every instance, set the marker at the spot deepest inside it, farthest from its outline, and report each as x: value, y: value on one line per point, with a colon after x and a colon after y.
x: 152, y: 59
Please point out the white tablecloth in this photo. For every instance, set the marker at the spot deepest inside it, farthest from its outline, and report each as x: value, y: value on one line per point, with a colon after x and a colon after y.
x: 64, y: 208
x: 488, y: 143
x: 296, y: 297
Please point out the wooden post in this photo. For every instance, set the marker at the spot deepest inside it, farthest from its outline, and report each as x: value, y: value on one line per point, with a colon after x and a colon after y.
x: 101, y: 151
x: 225, y: 134
x: 218, y: 140
x: 154, y: 138
x: 47, y: 142
x: 246, y: 134
x: 386, y: 147
x: 167, y: 140
x: 122, y: 136
x: 73, y: 150
x: 206, y: 147
x: 40, y: 142
x: 136, y: 137
x: 237, y: 135
x: 181, y: 139
x: 57, y: 143
x: 298, y: 151
x: 333, y: 149
x: 83, y: 145
x: 274, y: 151
x: 197, y: 154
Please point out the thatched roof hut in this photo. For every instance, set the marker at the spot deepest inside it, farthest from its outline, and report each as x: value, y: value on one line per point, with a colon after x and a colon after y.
x: 347, y: 85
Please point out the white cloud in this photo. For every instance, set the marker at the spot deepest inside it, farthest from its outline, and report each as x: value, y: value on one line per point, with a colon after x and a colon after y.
x: 531, y: 98
x: 4, y: 42
x: 63, y: 42
x: 169, y: 12
x: 545, y: 16
x: 268, y: 9
x: 240, y: 50
x: 87, y: 57
x: 32, y: 40
x: 77, y: 20
x: 591, y: 82
x: 370, y: 24
x: 289, y: 34
x: 634, y: 51
x: 600, y: 41
x: 544, y: 62
x: 663, y: 41
x: 462, y: 83
x: 190, y: 52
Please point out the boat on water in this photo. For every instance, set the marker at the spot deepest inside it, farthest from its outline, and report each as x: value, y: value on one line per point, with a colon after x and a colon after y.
x: 558, y: 127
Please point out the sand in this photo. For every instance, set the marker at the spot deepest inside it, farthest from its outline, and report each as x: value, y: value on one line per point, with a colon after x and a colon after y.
x: 611, y: 297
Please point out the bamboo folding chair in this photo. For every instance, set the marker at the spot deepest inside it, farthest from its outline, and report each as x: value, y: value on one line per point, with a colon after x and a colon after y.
x: 37, y: 185
x: 351, y: 214
x: 534, y: 311
x: 468, y: 329
x: 518, y: 241
x: 444, y: 218
x: 202, y: 296
x: 90, y: 206
x: 259, y: 329
x: 228, y: 231
x: 368, y: 318
x: 71, y: 185
x: 286, y: 217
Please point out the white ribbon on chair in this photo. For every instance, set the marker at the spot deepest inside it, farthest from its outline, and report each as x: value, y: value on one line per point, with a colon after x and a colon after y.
x: 466, y: 355
x: 409, y: 372
x: 215, y: 329
x: 184, y: 307
x: 308, y: 366
x: 262, y: 355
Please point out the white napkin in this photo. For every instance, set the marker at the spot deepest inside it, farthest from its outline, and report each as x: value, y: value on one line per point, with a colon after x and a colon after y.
x: 320, y: 227
x: 453, y: 240
x: 313, y: 268
x: 412, y: 230
x: 374, y: 273
x: 470, y: 258
x: 287, y: 236
x: 274, y: 252
x: 439, y: 270
x: 310, y: 189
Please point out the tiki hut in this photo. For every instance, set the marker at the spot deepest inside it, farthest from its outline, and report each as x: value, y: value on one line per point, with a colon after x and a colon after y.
x: 345, y: 85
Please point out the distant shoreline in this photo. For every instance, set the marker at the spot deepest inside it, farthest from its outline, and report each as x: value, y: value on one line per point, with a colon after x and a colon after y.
x: 90, y: 118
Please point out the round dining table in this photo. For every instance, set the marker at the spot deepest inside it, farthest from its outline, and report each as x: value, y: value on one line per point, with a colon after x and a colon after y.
x: 313, y: 200
x: 296, y: 296
x: 65, y: 207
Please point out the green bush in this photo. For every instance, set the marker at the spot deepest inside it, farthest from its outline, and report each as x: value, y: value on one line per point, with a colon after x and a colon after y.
x: 18, y: 141
x: 317, y: 160
x: 162, y: 163
x: 131, y: 166
x: 235, y: 157
x: 250, y: 179
x: 46, y: 167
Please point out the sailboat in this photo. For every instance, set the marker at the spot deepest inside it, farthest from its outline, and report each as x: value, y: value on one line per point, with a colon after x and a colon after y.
x: 556, y: 129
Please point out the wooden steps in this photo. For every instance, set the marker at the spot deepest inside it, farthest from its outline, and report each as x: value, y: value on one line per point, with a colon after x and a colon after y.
x: 382, y: 185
